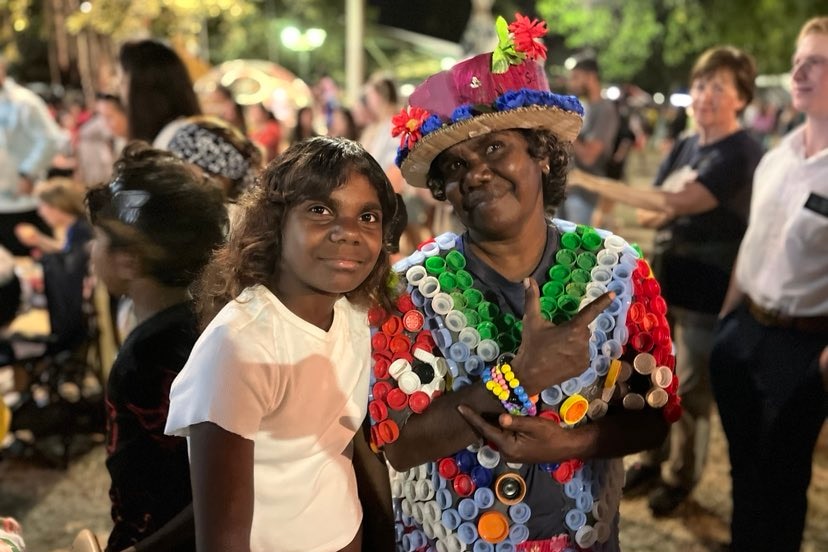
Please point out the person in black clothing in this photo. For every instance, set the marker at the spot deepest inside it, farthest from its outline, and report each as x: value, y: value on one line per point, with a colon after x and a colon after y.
x: 699, y: 207
x: 156, y: 224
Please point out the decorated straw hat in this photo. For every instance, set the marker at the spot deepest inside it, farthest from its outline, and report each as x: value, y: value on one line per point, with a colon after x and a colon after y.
x: 500, y: 90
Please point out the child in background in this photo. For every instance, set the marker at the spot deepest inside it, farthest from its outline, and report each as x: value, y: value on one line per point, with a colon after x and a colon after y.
x: 11, y: 536
x: 276, y: 389
x: 156, y: 225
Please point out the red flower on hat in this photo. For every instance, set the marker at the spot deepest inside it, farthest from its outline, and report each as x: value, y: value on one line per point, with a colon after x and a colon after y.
x: 525, y: 31
x: 407, y: 125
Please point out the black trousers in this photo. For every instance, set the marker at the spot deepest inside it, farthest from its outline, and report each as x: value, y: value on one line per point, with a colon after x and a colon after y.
x: 772, y: 403
x: 7, y: 223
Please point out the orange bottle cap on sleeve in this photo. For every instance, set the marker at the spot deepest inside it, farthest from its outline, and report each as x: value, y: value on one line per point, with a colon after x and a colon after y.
x: 493, y: 527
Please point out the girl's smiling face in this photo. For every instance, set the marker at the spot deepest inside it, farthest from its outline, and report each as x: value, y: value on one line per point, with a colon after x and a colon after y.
x: 331, y: 245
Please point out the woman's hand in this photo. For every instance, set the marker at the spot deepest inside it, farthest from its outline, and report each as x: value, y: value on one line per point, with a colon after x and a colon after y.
x: 551, y: 354
x: 524, y: 439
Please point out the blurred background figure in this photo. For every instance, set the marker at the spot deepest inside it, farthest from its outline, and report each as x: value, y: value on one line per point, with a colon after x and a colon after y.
x: 594, y: 147
x: 222, y: 104
x: 304, y: 128
x: 100, y: 140
x: 29, y: 138
x: 265, y: 130
x: 342, y: 124
x: 156, y: 91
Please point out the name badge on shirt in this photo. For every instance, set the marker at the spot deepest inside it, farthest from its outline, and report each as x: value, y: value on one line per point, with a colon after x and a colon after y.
x: 817, y: 204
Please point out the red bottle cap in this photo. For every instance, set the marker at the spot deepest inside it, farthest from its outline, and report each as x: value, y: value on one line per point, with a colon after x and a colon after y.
x: 399, y: 344
x: 396, y: 399
x: 651, y: 287
x: 423, y: 244
x: 463, y: 485
x: 381, y: 368
x: 447, y: 468
x: 550, y: 415
x: 389, y: 431
x: 393, y: 325
x: 376, y: 440
x: 637, y: 312
x: 563, y: 473
x: 418, y: 402
x: 424, y: 338
x: 649, y: 321
x: 658, y: 305
x: 380, y: 390
x: 403, y: 354
x: 413, y: 320
x: 642, y: 342
x: 404, y: 303
x: 376, y: 315
x: 379, y: 342
x: 672, y: 410
x: 672, y: 389
x: 377, y: 410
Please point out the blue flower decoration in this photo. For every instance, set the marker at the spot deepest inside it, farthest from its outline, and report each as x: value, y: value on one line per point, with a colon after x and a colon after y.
x: 431, y: 124
x: 462, y: 113
x: 526, y: 97
x: 402, y: 153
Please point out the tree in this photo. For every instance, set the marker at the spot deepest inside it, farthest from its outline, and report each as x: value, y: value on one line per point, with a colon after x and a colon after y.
x: 654, y: 42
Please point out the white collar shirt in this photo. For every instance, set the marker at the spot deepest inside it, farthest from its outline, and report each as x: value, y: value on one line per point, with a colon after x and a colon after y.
x: 783, y: 259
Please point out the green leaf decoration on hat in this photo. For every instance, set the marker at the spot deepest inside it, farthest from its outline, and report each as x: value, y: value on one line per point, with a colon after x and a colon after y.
x: 505, y: 53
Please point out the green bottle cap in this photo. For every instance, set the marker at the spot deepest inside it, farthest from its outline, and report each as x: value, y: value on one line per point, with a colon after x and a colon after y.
x: 591, y: 241
x: 553, y: 288
x: 586, y: 260
x: 565, y: 257
x: 580, y: 229
x: 509, y: 320
x: 570, y: 240
x: 488, y: 311
x: 458, y: 298
x: 506, y: 342
x: 560, y: 317
x: 568, y: 304
x: 473, y: 297
x: 464, y: 279
x: 580, y: 276
x: 546, y: 315
x: 576, y: 289
x: 487, y: 330
x: 448, y: 282
x: 638, y: 250
x: 549, y: 304
x: 518, y: 328
x: 559, y: 273
x: 435, y: 265
x: 472, y: 318
x: 455, y: 260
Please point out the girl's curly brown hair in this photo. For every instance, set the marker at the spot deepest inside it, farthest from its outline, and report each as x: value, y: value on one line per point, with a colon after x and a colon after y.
x: 542, y: 144
x: 307, y: 170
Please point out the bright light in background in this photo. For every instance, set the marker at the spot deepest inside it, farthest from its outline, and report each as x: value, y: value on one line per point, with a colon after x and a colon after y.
x: 86, y: 7
x: 613, y: 93
x: 658, y: 98
x: 299, y: 41
x: 447, y: 63
x: 680, y: 100
x: 570, y: 63
x: 406, y: 90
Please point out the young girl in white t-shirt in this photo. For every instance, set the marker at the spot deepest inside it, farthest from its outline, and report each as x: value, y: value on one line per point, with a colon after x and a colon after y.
x: 274, y: 394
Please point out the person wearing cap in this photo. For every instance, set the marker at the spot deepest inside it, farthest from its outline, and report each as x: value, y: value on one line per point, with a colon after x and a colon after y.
x: 469, y: 336
x: 769, y: 363
x: 594, y: 146
x: 699, y: 205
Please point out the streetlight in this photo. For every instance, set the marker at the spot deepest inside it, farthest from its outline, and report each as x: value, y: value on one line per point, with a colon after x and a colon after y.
x: 303, y: 43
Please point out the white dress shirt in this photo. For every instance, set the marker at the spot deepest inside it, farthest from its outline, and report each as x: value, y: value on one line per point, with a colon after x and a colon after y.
x: 783, y: 259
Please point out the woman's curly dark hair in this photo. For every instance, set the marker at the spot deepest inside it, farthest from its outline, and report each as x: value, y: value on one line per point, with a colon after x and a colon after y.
x: 311, y: 169
x: 542, y: 144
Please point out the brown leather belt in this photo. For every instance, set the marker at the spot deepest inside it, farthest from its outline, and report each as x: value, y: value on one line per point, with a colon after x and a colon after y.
x: 810, y: 324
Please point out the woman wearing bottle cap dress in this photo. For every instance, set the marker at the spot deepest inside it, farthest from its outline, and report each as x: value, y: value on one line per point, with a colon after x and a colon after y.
x: 572, y: 396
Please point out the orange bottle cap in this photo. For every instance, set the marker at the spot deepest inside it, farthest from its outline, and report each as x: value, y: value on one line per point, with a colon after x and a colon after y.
x: 574, y: 409
x: 493, y: 527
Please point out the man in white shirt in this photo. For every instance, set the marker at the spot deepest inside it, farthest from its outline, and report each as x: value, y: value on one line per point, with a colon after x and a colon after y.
x: 29, y: 138
x: 769, y: 365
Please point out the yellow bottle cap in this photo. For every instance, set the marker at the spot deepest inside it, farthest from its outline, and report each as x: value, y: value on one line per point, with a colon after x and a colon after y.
x: 612, y: 375
x: 574, y: 409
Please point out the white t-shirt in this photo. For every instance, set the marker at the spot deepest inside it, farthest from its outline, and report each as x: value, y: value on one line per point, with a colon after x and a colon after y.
x: 783, y: 259
x: 300, y: 393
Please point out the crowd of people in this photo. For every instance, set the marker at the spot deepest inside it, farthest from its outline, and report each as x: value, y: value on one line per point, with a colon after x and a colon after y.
x: 409, y: 325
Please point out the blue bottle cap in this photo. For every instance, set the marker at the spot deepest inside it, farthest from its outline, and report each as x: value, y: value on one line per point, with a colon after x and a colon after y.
x: 572, y: 488
x: 483, y: 496
x: 466, y: 460
x: 584, y: 502
x: 459, y: 352
x: 417, y: 298
x: 467, y: 532
x: 467, y: 509
x: 483, y: 546
x: 552, y: 395
x: 451, y: 519
x: 505, y: 546
x: 520, y: 513
x: 460, y: 382
x: 443, y: 498
x: 601, y: 365
x: 518, y: 533
x: 481, y: 476
x: 571, y: 386
x: 575, y: 519
x: 474, y: 365
x: 588, y: 377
